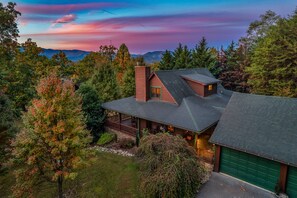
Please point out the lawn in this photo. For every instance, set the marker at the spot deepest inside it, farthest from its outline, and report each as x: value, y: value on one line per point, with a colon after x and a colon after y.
x: 110, y: 175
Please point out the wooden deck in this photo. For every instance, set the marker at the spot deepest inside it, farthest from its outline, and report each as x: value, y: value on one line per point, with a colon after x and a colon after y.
x: 115, y: 125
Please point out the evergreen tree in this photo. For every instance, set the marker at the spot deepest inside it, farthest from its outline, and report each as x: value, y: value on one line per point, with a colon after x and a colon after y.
x: 94, y: 113
x: 274, y: 60
x: 53, y: 141
x: 105, y: 83
x: 128, y: 86
x: 203, y: 57
x: 166, y: 62
x: 177, y: 57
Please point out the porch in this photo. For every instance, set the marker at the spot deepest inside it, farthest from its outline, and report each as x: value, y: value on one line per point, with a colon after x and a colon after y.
x: 122, y: 123
x: 129, y: 125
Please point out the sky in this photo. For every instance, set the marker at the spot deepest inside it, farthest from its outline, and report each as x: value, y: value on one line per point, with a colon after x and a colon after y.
x: 142, y: 25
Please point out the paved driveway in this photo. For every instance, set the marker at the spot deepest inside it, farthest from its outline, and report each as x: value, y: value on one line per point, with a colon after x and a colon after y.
x: 223, y: 186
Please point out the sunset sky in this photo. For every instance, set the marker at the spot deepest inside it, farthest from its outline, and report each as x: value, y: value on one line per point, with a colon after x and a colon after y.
x: 143, y: 25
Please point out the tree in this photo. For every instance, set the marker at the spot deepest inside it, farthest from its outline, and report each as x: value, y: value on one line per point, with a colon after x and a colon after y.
x: 258, y: 29
x: 166, y: 62
x: 169, y: 167
x: 53, y: 141
x: 177, y: 57
x: 93, y: 111
x: 8, y: 31
x: 107, y: 51
x: 122, y: 61
x: 128, y: 85
x: 232, y: 72
x: 203, y: 57
x: 65, y: 66
x: 274, y: 61
x: 105, y: 83
x: 7, y: 128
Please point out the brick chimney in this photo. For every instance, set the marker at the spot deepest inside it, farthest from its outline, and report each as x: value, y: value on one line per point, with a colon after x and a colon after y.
x: 142, y: 74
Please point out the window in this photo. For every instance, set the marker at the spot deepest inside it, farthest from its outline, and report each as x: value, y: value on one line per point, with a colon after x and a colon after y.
x: 209, y: 87
x: 155, y: 92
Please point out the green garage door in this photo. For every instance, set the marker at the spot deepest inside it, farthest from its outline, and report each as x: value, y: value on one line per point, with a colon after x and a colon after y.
x: 292, y: 182
x: 252, y: 169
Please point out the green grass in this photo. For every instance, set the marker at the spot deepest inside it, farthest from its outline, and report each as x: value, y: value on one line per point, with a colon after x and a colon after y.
x: 106, y: 138
x: 109, y: 175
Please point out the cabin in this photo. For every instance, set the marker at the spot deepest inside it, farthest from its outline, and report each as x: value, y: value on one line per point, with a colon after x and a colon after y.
x: 256, y: 141
x: 186, y: 102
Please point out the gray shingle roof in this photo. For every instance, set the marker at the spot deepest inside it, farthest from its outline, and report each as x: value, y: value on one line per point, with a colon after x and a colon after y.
x: 201, y: 78
x: 176, y: 85
x: 261, y: 125
x: 194, y: 113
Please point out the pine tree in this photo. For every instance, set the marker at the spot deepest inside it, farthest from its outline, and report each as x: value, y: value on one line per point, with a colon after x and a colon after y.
x: 177, y: 57
x: 53, y: 141
x: 128, y: 86
x: 274, y: 60
x: 203, y: 57
x: 166, y: 62
x: 105, y: 83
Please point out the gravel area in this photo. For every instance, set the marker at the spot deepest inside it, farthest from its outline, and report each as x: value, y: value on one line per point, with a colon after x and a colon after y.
x: 115, y: 151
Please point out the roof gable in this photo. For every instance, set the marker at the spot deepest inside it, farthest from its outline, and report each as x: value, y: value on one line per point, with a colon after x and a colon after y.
x: 262, y: 125
x: 176, y: 85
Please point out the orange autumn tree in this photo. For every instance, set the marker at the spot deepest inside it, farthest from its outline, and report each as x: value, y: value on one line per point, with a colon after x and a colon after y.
x: 52, y: 144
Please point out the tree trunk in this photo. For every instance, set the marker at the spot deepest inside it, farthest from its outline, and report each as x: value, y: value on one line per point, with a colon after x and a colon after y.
x: 60, y: 190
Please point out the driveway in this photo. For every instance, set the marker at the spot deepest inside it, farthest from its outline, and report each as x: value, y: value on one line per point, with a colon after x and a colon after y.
x: 223, y: 186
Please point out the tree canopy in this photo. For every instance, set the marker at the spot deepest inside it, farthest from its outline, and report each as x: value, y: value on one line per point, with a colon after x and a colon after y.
x: 53, y: 140
x: 274, y: 62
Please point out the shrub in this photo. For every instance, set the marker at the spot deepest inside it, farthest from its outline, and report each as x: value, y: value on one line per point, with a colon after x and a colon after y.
x: 106, y: 138
x: 126, y: 143
x: 169, y: 167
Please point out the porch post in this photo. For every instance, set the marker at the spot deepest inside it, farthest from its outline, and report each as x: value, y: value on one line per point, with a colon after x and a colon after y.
x: 217, y: 158
x: 120, y: 117
x: 138, y: 133
x: 283, y: 177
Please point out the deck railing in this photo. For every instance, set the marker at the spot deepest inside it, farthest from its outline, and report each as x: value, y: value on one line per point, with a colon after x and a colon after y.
x: 120, y: 127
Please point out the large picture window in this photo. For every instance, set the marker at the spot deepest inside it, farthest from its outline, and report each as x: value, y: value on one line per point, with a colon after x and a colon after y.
x: 155, y: 92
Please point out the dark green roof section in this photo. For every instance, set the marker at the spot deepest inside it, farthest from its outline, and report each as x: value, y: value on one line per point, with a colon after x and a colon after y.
x: 265, y: 126
x: 203, y: 79
x: 194, y: 113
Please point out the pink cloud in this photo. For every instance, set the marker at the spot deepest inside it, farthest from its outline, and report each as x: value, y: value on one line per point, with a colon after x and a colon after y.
x: 66, y: 19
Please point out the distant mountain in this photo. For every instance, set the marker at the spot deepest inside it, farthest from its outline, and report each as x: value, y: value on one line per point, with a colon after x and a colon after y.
x: 73, y: 55
x: 150, y: 57
x: 76, y: 55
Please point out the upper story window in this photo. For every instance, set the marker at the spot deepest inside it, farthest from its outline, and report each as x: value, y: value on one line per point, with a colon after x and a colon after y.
x: 210, y: 87
x: 156, y: 92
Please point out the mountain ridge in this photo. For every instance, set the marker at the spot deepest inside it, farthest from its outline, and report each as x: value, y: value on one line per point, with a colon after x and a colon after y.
x: 76, y: 55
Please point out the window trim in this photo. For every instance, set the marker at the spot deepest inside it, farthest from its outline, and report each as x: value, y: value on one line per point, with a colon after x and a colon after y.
x: 160, y: 92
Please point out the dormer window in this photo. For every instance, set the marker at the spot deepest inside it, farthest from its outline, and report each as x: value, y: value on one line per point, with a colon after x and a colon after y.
x: 209, y: 87
x: 155, y: 92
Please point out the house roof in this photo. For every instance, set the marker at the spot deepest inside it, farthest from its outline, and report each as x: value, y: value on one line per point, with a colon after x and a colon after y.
x: 193, y: 112
x: 205, y: 80
x: 177, y: 86
x: 261, y: 125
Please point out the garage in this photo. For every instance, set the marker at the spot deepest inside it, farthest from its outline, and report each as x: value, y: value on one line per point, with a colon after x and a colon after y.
x: 252, y: 169
x: 292, y: 182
